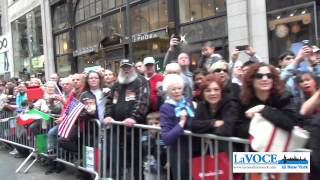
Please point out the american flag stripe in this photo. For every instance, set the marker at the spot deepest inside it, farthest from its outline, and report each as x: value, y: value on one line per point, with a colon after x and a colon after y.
x: 70, y: 116
x: 70, y: 120
x: 65, y: 115
x: 65, y: 120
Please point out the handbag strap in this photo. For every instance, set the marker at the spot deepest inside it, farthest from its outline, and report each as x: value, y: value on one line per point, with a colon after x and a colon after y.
x: 274, y: 131
x: 288, y: 142
x: 271, y: 139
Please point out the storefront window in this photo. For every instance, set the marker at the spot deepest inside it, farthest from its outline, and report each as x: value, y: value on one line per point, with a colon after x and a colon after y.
x: 113, y: 24
x: 205, y: 30
x: 60, y: 17
x: 288, y: 28
x: 89, y: 34
x: 63, y: 65
x: 87, y: 60
x: 108, y: 4
x: 62, y: 44
x: 119, y: 2
x: 163, y: 11
x: 28, y: 42
x: 87, y: 9
x: 191, y: 10
x: 149, y: 16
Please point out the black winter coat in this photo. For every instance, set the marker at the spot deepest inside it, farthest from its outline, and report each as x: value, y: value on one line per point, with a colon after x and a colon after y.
x: 281, y: 111
x: 227, y: 110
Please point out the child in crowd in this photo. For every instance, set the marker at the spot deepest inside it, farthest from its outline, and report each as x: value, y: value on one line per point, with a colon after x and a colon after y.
x: 150, y: 142
x: 199, y: 76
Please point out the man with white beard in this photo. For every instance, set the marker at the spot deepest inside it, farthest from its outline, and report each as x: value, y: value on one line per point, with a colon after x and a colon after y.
x: 128, y: 103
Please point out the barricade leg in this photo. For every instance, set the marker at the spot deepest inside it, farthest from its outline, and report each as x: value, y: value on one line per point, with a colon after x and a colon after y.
x: 25, y: 161
x: 31, y: 164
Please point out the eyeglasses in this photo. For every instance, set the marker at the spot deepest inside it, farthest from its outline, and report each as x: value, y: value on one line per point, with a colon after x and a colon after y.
x: 260, y: 75
x: 220, y: 70
x: 289, y: 57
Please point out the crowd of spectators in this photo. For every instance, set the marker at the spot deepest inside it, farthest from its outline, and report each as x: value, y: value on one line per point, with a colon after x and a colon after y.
x: 220, y: 97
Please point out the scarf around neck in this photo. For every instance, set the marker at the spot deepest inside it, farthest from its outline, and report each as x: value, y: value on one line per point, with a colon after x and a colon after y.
x: 181, y: 105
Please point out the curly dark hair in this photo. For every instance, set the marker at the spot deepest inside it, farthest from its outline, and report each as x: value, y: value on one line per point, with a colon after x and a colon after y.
x: 247, y: 91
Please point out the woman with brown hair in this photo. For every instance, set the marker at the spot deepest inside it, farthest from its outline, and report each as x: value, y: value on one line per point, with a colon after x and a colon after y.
x: 217, y: 112
x: 263, y: 92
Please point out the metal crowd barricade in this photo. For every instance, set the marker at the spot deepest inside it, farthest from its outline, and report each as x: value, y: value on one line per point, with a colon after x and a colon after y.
x: 82, y: 150
x: 87, y: 138
x: 119, y: 154
x: 22, y: 136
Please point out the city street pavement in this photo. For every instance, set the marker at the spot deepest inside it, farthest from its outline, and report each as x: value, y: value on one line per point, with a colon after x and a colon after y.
x: 9, y: 164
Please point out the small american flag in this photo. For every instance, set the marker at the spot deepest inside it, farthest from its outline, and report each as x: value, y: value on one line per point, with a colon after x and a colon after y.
x: 69, y: 117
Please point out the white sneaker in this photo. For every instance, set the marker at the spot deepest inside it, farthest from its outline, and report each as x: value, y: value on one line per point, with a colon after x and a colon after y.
x: 13, y: 152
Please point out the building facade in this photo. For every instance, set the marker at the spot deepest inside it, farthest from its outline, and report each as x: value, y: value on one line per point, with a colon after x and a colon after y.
x: 291, y: 22
x: 30, y: 31
x: 4, y: 41
x: 95, y: 33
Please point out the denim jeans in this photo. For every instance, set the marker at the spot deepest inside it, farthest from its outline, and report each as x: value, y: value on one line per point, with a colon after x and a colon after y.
x: 52, y: 138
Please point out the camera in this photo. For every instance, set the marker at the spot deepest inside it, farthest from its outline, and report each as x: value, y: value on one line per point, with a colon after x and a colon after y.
x: 177, y: 37
x: 306, y: 42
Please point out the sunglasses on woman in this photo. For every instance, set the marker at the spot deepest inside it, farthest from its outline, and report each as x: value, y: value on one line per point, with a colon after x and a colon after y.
x: 260, y: 75
x: 220, y: 70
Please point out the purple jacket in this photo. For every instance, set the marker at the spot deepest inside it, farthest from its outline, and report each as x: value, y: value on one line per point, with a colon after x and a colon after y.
x: 170, y: 128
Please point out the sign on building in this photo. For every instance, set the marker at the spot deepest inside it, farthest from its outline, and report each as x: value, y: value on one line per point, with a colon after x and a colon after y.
x: 4, y: 43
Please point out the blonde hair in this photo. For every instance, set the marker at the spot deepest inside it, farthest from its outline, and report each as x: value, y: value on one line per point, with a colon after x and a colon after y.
x: 153, y: 115
x: 218, y: 65
x: 172, y: 68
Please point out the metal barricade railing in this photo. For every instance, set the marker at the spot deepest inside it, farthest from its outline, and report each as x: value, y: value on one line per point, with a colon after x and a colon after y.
x: 87, y: 136
x: 139, y: 153
x: 148, y: 156
x: 75, y: 150
x: 118, y: 152
x: 23, y: 136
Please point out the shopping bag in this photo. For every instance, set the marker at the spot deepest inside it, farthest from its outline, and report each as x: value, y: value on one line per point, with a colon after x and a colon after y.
x: 41, y: 143
x: 209, y: 167
x: 273, y: 138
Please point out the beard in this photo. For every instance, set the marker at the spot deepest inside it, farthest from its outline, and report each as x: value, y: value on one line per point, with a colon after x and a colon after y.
x: 126, y: 78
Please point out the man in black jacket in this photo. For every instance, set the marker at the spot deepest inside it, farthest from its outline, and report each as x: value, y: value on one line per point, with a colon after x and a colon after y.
x: 128, y: 103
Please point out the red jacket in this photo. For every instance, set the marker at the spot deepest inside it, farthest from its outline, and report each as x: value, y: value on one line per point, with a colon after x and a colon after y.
x: 153, y: 91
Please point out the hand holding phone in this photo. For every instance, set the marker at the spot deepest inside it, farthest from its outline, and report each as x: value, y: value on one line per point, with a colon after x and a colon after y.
x: 174, y: 41
x: 306, y: 42
x: 242, y: 48
x: 177, y: 37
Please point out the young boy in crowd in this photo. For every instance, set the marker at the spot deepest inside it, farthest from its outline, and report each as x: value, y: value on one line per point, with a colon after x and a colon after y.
x: 150, y: 142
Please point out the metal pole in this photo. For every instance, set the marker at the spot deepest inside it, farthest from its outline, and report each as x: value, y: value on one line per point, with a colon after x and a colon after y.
x: 128, y: 26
